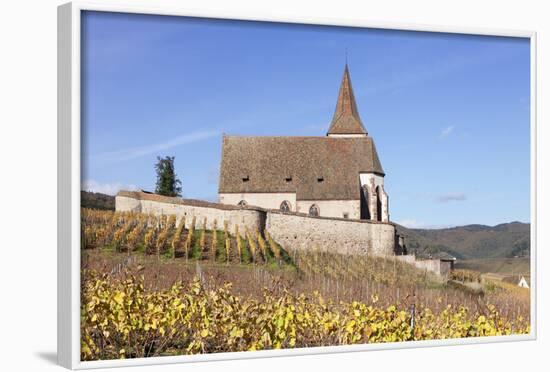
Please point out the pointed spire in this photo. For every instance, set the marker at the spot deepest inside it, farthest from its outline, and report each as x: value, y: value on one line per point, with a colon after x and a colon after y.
x: 346, y: 118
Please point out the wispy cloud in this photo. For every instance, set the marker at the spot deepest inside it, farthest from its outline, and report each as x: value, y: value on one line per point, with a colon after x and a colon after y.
x: 106, y: 188
x: 136, y: 152
x: 436, y: 69
x: 446, y: 131
x: 446, y: 198
x: 415, y: 224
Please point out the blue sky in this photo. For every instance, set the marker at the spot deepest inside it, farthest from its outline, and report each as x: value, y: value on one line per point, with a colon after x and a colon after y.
x: 449, y: 113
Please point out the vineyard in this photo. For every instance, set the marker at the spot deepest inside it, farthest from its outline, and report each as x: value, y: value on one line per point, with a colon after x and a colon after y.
x: 152, y: 287
x: 164, y: 236
x: 120, y: 319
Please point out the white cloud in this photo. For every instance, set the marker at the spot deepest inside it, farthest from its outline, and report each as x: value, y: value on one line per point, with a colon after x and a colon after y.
x: 136, y: 152
x: 106, y: 188
x: 445, y: 198
x: 410, y: 223
x: 446, y: 131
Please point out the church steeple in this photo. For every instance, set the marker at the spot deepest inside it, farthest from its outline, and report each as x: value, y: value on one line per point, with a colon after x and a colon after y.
x: 346, y: 120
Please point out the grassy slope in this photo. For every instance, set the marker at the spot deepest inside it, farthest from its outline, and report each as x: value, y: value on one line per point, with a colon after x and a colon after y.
x: 512, y: 266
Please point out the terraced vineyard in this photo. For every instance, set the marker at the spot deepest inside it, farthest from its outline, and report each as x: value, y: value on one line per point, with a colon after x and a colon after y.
x: 152, y: 287
x: 164, y: 236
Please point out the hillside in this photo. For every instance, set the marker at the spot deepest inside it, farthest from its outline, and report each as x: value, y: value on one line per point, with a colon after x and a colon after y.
x: 246, y: 290
x: 506, y: 266
x: 96, y: 200
x: 471, y: 241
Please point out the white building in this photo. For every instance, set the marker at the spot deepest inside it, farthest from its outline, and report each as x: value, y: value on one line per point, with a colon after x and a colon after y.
x: 523, y: 283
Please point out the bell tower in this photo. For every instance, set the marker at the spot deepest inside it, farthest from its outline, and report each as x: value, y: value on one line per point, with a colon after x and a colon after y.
x: 346, y: 121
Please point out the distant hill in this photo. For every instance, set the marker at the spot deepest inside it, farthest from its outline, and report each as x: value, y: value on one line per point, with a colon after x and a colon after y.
x: 96, y: 200
x: 471, y: 241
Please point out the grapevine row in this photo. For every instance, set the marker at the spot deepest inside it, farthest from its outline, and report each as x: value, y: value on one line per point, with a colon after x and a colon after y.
x: 166, y: 236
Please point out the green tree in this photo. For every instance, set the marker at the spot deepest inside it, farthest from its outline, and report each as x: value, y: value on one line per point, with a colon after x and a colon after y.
x: 168, y: 183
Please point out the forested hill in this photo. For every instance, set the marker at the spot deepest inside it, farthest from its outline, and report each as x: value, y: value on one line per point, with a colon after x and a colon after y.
x: 471, y: 241
x: 96, y: 200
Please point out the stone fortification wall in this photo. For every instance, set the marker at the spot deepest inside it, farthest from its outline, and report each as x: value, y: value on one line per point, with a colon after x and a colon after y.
x: 247, y: 217
x: 346, y: 236
x: 294, y: 231
x: 291, y: 230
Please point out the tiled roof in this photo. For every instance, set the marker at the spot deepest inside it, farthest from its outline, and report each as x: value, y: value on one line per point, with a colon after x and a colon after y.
x: 315, y: 168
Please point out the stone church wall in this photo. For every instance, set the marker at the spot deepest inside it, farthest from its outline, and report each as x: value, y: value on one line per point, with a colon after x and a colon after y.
x: 263, y: 200
x: 327, y: 208
x: 332, y: 208
x: 374, y: 183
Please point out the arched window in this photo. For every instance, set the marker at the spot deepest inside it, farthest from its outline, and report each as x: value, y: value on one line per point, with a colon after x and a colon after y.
x: 365, y: 197
x: 378, y: 203
x: 285, y: 206
x: 242, y: 203
x: 314, y: 210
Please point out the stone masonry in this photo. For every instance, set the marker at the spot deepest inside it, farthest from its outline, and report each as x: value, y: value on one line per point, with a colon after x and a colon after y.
x: 294, y: 231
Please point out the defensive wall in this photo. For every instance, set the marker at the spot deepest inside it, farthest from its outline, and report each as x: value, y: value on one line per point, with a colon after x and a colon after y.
x: 294, y: 231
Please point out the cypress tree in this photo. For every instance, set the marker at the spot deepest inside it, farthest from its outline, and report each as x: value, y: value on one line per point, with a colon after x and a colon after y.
x: 168, y: 183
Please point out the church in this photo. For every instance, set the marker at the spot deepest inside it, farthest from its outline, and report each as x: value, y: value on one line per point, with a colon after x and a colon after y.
x: 336, y: 175
x: 315, y: 192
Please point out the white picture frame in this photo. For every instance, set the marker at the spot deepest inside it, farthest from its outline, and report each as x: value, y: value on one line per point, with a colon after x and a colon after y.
x: 69, y: 182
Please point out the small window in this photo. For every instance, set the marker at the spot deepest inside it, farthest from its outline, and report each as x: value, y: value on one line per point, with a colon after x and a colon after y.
x: 285, y: 206
x: 288, y: 178
x: 246, y: 178
x: 320, y: 179
x: 242, y: 203
x: 346, y: 215
x: 314, y: 210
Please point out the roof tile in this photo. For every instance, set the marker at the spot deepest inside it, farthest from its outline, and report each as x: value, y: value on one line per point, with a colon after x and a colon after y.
x: 268, y: 161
